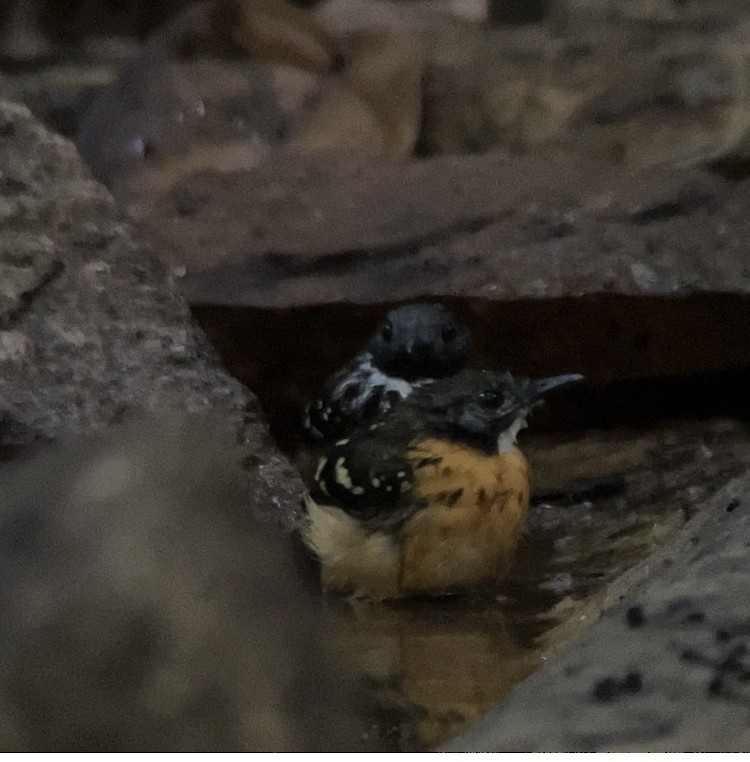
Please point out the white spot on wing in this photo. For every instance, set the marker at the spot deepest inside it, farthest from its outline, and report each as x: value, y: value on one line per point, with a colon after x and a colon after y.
x: 341, y: 474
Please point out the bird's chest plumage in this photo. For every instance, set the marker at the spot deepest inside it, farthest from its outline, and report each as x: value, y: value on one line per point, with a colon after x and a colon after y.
x: 461, y: 519
x: 474, y: 506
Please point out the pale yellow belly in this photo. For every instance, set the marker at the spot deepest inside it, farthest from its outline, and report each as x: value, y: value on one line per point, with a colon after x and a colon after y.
x: 353, y: 561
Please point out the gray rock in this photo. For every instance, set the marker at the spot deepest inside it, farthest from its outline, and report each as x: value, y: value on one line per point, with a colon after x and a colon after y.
x: 150, y: 599
x: 93, y: 328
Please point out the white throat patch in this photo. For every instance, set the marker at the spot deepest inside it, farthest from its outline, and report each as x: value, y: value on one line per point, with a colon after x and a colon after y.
x: 507, y: 438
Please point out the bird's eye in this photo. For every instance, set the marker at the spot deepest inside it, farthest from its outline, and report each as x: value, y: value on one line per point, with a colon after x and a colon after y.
x: 491, y: 398
x: 387, y: 332
x: 449, y: 333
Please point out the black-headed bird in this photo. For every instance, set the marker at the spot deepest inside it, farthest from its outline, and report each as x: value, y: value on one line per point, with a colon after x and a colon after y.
x: 430, y: 499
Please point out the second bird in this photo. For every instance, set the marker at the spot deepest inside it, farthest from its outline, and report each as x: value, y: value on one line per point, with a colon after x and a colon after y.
x: 416, y: 343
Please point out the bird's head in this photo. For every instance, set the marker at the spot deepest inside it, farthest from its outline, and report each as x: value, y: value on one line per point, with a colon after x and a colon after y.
x: 484, y: 407
x: 420, y: 341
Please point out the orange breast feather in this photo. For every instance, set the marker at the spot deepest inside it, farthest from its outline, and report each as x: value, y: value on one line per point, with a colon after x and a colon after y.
x: 476, y: 506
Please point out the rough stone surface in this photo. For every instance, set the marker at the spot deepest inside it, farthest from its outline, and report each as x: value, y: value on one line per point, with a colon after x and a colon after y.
x: 310, y: 232
x: 529, y: 226
x: 93, y: 327
x: 666, y: 669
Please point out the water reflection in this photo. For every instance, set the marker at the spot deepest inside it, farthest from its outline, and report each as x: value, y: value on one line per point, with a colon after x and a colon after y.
x: 433, y: 666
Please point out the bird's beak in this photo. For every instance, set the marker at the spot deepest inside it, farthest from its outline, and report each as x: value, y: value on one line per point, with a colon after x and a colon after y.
x: 539, y: 387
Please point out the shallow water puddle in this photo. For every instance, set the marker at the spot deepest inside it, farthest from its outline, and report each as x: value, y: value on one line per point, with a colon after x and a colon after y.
x: 433, y: 667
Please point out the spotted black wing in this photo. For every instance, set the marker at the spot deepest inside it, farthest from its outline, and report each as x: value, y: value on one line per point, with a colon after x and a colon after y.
x: 367, y: 479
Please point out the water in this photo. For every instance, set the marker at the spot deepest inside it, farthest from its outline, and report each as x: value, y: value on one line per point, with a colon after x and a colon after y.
x: 434, y: 666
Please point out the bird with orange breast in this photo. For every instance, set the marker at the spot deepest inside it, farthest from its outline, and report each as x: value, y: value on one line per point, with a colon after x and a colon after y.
x: 430, y: 499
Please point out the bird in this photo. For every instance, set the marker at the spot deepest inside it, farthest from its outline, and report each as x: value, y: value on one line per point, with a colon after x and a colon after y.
x: 431, y: 499
x: 415, y: 344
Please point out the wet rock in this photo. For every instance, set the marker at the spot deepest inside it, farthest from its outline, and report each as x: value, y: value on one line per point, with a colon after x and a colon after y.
x: 145, y: 610
x: 94, y: 329
x: 690, y: 654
